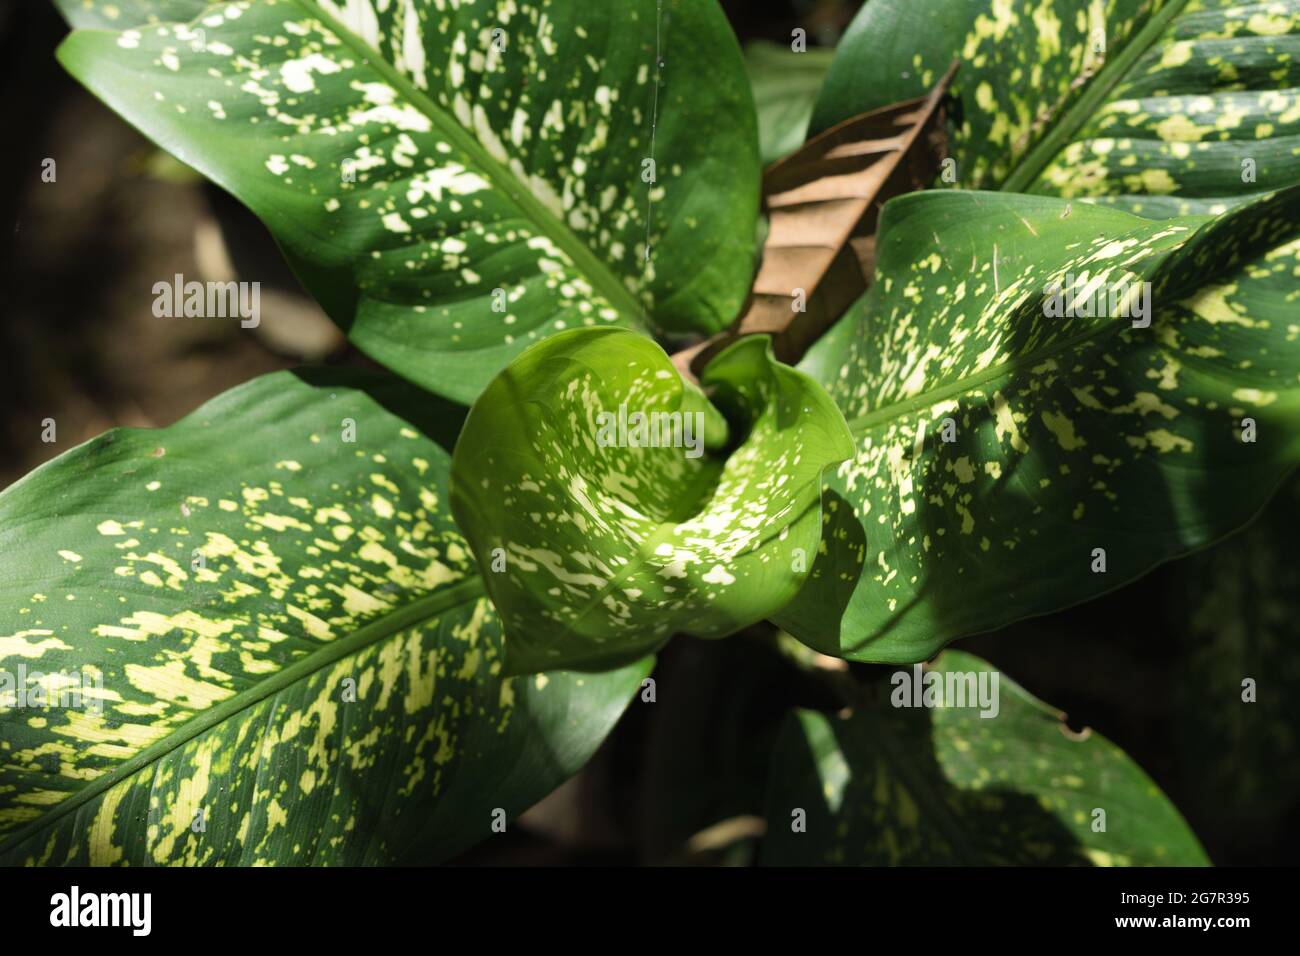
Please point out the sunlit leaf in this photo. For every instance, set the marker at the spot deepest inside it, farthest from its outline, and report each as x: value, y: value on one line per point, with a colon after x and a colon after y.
x: 995, y: 778
x: 1011, y: 462
x: 1162, y: 106
x: 608, y: 509
x: 279, y: 646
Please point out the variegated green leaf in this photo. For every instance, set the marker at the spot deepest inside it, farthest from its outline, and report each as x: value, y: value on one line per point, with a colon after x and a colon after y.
x: 257, y: 637
x: 1163, y: 106
x: 1206, y: 116
x: 993, y: 778
x: 454, y: 181
x: 596, y: 491
x: 1010, y: 462
x: 124, y: 14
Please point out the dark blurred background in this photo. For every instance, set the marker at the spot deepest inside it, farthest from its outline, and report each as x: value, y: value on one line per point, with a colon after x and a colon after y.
x: 1155, y: 666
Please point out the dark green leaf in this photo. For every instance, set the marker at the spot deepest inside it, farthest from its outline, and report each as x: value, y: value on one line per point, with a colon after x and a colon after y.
x: 1234, y: 612
x: 497, y: 155
x: 123, y: 14
x: 893, y: 784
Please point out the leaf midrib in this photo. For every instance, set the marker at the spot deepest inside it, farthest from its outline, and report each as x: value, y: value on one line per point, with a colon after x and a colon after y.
x: 426, y: 608
x: 864, y: 423
x: 1076, y: 116
x: 602, y: 278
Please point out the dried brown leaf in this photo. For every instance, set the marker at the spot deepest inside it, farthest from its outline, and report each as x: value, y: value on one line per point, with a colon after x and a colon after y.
x: 824, y: 205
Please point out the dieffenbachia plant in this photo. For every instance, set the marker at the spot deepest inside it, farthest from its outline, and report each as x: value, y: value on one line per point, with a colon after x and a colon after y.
x: 330, y: 617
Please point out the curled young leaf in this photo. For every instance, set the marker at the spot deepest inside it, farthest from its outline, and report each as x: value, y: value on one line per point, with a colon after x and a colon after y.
x: 594, y: 488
